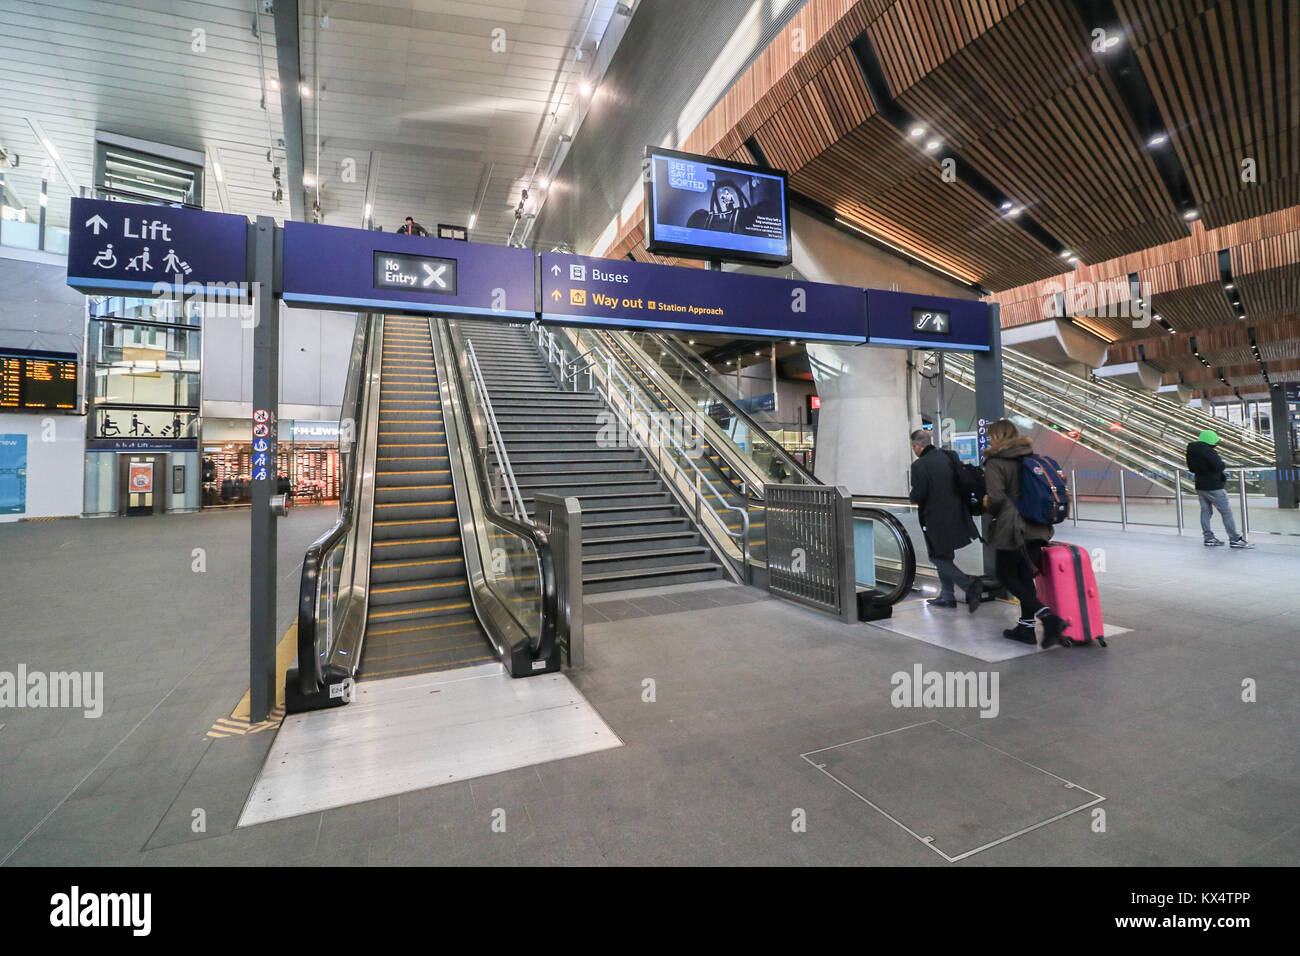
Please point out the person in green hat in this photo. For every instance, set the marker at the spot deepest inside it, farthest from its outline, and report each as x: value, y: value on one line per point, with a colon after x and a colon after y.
x: 1211, y: 473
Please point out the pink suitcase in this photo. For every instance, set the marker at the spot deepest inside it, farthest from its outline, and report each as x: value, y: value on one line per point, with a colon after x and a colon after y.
x: 1067, y: 585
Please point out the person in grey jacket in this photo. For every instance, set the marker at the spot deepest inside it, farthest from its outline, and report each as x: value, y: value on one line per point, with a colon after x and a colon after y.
x: 1018, y: 542
x: 945, y: 520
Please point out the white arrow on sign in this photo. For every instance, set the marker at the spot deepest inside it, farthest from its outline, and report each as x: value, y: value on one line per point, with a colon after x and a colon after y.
x: 97, y: 223
x: 434, y: 275
x: 555, y: 270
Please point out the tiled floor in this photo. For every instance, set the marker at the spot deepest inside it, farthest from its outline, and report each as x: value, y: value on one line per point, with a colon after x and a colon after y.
x: 715, y: 692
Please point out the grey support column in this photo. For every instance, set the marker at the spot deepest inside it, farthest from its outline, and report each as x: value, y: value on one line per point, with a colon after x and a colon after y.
x: 1283, y: 453
x: 266, y: 396
x: 990, y: 402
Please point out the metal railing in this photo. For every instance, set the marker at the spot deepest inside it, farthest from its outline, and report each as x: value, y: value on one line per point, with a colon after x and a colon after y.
x: 1251, y: 487
x: 683, y: 376
x: 684, y: 478
x: 494, y: 439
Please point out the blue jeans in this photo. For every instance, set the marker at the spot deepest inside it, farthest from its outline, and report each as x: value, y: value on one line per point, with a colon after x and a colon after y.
x: 1210, y: 501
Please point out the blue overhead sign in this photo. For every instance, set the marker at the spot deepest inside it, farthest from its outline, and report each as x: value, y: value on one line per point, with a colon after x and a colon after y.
x: 361, y: 268
x: 615, y: 292
x: 927, y: 321
x: 136, y: 247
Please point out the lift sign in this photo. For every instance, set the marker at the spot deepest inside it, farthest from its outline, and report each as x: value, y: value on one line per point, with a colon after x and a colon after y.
x: 415, y: 273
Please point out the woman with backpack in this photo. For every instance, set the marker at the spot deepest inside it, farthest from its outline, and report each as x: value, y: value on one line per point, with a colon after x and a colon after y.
x: 1017, y: 540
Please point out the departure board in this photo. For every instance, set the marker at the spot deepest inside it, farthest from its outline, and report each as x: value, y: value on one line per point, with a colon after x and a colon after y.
x: 11, y: 378
x: 38, y: 381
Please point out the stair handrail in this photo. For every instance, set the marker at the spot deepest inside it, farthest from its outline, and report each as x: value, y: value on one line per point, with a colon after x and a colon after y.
x: 688, y: 362
x: 548, y: 342
x: 513, y: 495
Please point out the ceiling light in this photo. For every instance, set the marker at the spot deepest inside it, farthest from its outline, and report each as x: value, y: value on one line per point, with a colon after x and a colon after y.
x: 473, y: 218
x: 275, y: 84
x: 1006, y: 205
x: 305, y: 90
x: 1158, y: 140
x: 584, y: 88
x: 216, y: 171
x: 368, y: 210
x: 1190, y: 215
x: 793, y: 342
x: 1066, y: 254
x: 1228, y: 285
x: 934, y: 144
x: 917, y: 131
x: 308, y: 180
x: 755, y: 351
x: 691, y: 342
x: 1016, y: 212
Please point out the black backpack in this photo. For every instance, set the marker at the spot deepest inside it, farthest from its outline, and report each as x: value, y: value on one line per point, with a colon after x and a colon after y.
x: 970, y: 483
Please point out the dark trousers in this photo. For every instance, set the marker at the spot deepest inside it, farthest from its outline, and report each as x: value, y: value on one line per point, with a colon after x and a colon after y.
x: 1016, y: 572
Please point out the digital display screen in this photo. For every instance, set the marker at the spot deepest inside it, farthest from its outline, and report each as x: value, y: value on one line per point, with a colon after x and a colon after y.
x: 934, y: 321
x: 399, y: 270
x: 701, y: 207
x: 40, y: 381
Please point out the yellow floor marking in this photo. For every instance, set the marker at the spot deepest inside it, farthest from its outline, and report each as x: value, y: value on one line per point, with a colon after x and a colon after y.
x: 237, y: 723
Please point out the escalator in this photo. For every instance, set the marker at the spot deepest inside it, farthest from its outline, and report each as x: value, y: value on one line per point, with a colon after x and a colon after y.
x: 1136, y: 430
x: 421, y: 617
x: 422, y: 571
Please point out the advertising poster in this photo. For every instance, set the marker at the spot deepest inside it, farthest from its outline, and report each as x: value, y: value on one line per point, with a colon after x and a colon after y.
x: 141, y: 478
x: 13, y: 474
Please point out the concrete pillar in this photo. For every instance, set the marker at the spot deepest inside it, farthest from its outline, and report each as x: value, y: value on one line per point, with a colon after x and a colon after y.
x: 868, y: 411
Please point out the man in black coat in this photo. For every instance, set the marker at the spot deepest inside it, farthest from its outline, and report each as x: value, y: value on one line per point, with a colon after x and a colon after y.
x: 1211, y: 473
x: 945, y: 519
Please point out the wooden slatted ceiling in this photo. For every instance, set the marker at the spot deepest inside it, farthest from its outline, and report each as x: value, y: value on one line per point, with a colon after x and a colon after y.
x: 1014, y: 88
x: 1168, y: 351
x: 1227, y: 80
x: 874, y: 178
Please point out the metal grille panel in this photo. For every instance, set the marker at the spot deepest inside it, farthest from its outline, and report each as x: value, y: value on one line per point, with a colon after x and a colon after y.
x: 810, y: 547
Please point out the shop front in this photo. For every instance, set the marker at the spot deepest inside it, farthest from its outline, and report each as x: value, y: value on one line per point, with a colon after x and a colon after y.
x: 307, y: 460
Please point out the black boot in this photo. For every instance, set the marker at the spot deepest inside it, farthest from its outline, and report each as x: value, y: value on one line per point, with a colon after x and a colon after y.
x: 1054, y: 629
x: 974, y: 594
x: 1024, y: 633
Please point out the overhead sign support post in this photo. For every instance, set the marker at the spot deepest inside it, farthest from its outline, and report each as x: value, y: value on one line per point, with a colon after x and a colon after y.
x: 1283, y: 453
x: 990, y: 405
x: 266, y: 406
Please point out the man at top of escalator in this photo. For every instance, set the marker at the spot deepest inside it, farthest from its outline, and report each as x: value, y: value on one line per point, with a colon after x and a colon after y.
x: 1211, y: 473
x: 945, y: 519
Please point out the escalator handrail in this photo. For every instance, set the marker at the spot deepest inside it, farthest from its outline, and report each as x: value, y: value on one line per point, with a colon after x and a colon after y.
x: 539, y: 539
x: 688, y: 360
x: 494, y: 435
x: 310, y: 675
x: 906, y: 550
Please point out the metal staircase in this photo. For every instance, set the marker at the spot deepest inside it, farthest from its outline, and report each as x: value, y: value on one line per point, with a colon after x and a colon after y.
x: 568, y: 443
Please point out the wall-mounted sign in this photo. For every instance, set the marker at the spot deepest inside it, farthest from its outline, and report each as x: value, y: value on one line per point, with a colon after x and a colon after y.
x: 584, y: 290
x: 927, y: 321
x: 459, y: 233
x: 395, y: 270
x: 116, y: 246
x: 305, y: 431
x: 360, y: 268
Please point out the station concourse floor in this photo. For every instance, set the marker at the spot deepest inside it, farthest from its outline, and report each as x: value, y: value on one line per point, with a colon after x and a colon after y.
x: 711, y: 771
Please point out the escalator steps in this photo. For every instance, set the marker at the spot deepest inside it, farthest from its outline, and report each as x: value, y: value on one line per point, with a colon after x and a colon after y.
x: 420, y: 617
